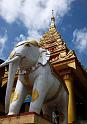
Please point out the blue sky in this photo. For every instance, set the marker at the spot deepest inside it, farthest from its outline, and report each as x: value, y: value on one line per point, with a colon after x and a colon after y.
x: 25, y: 19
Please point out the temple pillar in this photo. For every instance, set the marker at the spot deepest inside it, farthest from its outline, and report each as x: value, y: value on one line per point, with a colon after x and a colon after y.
x: 68, y: 79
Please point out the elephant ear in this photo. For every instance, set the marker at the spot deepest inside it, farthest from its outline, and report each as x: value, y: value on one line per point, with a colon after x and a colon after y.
x: 44, y: 56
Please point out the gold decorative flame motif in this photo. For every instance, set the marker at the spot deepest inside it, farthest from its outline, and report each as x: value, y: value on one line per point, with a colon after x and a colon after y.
x: 33, y: 42
x: 26, y: 78
x: 35, y: 94
x: 12, y: 54
x: 14, y: 97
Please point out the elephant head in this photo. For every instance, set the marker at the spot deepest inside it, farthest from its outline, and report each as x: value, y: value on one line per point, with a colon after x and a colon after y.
x: 24, y: 55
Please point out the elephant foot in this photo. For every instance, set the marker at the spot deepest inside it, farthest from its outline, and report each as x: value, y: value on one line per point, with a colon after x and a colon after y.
x: 11, y: 113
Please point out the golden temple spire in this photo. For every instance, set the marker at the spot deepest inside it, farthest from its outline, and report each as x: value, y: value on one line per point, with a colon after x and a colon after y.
x: 52, y: 25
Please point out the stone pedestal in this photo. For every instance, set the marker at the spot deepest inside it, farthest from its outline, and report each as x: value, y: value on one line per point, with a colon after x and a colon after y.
x: 25, y: 118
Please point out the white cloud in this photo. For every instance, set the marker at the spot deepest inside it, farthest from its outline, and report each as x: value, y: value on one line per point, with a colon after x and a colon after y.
x: 10, y: 10
x: 80, y: 39
x: 34, y: 14
x: 3, y: 40
x: 34, y: 34
x: 21, y: 37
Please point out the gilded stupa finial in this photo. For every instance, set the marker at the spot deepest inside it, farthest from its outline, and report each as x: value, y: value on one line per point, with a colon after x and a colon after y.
x: 52, y: 25
x: 52, y: 12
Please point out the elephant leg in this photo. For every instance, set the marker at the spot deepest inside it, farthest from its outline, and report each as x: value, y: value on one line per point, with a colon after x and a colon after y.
x: 18, y: 98
x: 38, y: 94
x: 63, y: 106
x: 59, y: 106
x: 47, y: 110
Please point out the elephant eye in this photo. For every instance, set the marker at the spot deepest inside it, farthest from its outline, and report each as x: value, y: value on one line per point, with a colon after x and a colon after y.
x: 27, y: 44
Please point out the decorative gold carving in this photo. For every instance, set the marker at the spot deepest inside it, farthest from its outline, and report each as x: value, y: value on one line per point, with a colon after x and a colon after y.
x: 12, y: 54
x: 14, y: 96
x: 27, y: 43
x: 63, y: 56
x: 3, y: 82
x: 26, y: 78
x: 54, y: 59
x: 52, y: 39
x: 33, y: 42
x: 72, y: 64
x: 70, y: 54
x: 35, y: 94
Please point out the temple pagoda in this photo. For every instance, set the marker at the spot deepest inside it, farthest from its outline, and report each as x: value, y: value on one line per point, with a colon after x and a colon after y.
x: 66, y: 64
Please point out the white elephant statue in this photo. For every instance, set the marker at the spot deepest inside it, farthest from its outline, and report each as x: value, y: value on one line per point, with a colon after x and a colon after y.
x: 35, y: 77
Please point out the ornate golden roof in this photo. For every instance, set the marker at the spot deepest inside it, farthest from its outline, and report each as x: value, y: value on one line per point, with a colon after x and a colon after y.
x: 53, y: 41
x: 52, y: 38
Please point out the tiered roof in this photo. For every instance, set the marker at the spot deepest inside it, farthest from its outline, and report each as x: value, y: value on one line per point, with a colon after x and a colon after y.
x: 53, y: 41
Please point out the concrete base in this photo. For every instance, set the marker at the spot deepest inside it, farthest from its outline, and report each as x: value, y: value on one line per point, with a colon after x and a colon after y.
x: 25, y: 118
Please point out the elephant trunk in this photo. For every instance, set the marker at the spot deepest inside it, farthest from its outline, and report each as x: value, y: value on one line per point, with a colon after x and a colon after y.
x: 9, y: 61
x: 13, y: 65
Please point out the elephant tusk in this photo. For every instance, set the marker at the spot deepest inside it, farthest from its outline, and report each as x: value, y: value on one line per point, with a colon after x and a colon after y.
x: 4, y: 63
x: 9, y: 61
x: 14, y: 59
